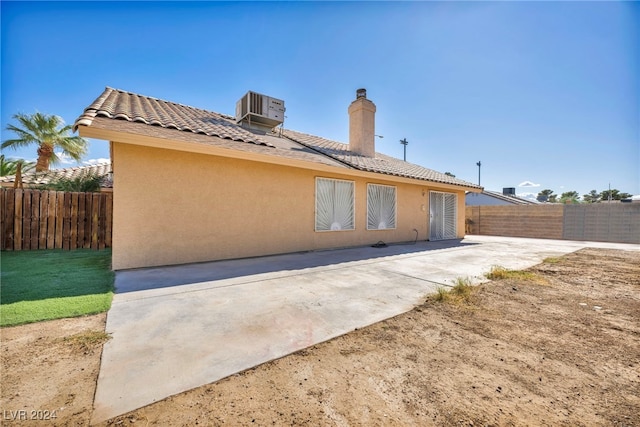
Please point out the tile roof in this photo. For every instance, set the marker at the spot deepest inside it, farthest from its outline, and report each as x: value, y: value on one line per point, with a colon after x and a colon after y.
x: 121, y: 105
x: 124, y: 109
x: 381, y: 163
x: 32, y: 178
x: 515, y: 200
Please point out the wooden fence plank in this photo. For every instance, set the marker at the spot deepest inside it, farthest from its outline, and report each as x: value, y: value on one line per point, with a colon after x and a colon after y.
x: 108, y: 219
x: 51, y: 219
x: 95, y: 211
x: 66, y: 222
x: 26, y: 220
x: 2, y: 214
x: 101, y: 218
x: 82, y: 218
x: 17, y: 220
x: 87, y: 220
x: 42, y: 226
x: 8, y: 214
x: 73, y: 244
x: 35, y: 219
x: 59, y: 218
x: 10, y: 224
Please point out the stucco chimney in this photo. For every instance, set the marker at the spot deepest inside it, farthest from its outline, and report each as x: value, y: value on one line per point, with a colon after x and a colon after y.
x: 362, y: 125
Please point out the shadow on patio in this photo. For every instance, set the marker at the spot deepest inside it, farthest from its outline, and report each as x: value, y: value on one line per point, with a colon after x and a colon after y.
x: 162, y: 277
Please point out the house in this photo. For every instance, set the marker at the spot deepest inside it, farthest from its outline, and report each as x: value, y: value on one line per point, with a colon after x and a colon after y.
x: 193, y: 185
x: 494, y: 198
x: 33, y: 179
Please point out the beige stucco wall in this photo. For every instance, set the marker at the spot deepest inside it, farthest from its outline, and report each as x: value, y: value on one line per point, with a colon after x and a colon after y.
x: 173, y: 207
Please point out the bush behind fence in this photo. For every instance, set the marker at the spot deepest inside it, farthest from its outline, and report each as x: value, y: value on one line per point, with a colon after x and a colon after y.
x: 42, y: 219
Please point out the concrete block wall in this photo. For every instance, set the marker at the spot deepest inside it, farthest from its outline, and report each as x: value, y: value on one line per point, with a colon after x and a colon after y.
x: 616, y: 222
x: 544, y: 221
x: 606, y: 222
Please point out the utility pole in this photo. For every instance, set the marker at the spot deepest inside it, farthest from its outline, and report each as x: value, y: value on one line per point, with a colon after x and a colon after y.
x: 479, y: 164
x: 404, y: 142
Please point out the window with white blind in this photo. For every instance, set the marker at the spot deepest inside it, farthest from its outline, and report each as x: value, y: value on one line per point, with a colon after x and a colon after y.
x: 335, y: 205
x: 381, y: 207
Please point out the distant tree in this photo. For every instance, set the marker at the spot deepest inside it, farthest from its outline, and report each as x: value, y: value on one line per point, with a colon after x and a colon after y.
x: 10, y: 166
x: 547, y: 196
x: 48, y: 132
x: 570, y: 197
x: 592, y: 197
x: 450, y: 174
x: 615, y: 195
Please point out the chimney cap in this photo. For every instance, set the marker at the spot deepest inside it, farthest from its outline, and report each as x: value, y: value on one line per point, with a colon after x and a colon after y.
x: 361, y: 93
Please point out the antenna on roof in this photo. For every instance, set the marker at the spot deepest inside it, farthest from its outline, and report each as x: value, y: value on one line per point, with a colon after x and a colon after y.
x: 404, y: 142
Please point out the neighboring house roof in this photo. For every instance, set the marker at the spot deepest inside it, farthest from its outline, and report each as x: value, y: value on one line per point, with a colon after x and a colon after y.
x: 123, y: 109
x: 513, y: 200
x: 40, y: 178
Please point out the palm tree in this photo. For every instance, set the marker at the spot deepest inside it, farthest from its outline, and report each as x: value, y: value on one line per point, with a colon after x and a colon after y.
x: 48, y: 132
x: 10, y: 166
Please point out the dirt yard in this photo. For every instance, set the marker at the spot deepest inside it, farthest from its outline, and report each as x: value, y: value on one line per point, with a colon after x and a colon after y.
x: 561, y: 349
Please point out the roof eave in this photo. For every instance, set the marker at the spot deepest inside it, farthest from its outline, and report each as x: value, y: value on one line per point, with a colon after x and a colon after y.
x: 98, y: 130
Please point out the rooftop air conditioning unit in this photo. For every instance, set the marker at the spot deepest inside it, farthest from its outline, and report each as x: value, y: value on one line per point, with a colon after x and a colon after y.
x: 509, y: 191
x: 261, y: 110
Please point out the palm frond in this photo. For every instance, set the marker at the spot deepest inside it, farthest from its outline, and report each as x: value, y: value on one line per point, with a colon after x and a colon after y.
x: 10, y: 166
x: 73, y: 146
x: 46, y: 130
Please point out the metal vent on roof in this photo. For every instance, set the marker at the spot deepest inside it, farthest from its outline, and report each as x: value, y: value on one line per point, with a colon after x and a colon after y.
x: 259, y: 111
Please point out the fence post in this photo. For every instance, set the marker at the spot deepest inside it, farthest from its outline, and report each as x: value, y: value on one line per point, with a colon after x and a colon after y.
x: 17, y: 222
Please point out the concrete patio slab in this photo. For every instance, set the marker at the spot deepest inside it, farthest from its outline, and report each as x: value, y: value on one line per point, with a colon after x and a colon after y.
x: 177, y: 328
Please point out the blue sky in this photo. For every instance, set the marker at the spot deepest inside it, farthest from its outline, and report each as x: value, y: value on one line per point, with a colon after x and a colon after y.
x: 544, y: 94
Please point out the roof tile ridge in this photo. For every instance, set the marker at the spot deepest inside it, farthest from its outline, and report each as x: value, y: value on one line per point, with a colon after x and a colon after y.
x: 311, y: 147
x: 316, y: 136
x: 81, y: 166
x: 152, y: 98
x: 89, y: 113
x: 354, y: 157
x: 386, y: 157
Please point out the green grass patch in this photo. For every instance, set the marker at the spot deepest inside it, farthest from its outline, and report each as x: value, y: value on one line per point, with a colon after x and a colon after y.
x: 552, y: 260
x: 53, y: 284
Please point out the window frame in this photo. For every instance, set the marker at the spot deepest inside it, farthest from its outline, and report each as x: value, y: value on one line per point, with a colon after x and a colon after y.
x: 395, y: 206
x: 353, y: 204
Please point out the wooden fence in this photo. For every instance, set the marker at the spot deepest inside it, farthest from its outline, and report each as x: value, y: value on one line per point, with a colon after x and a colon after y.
x: 35, y: 219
